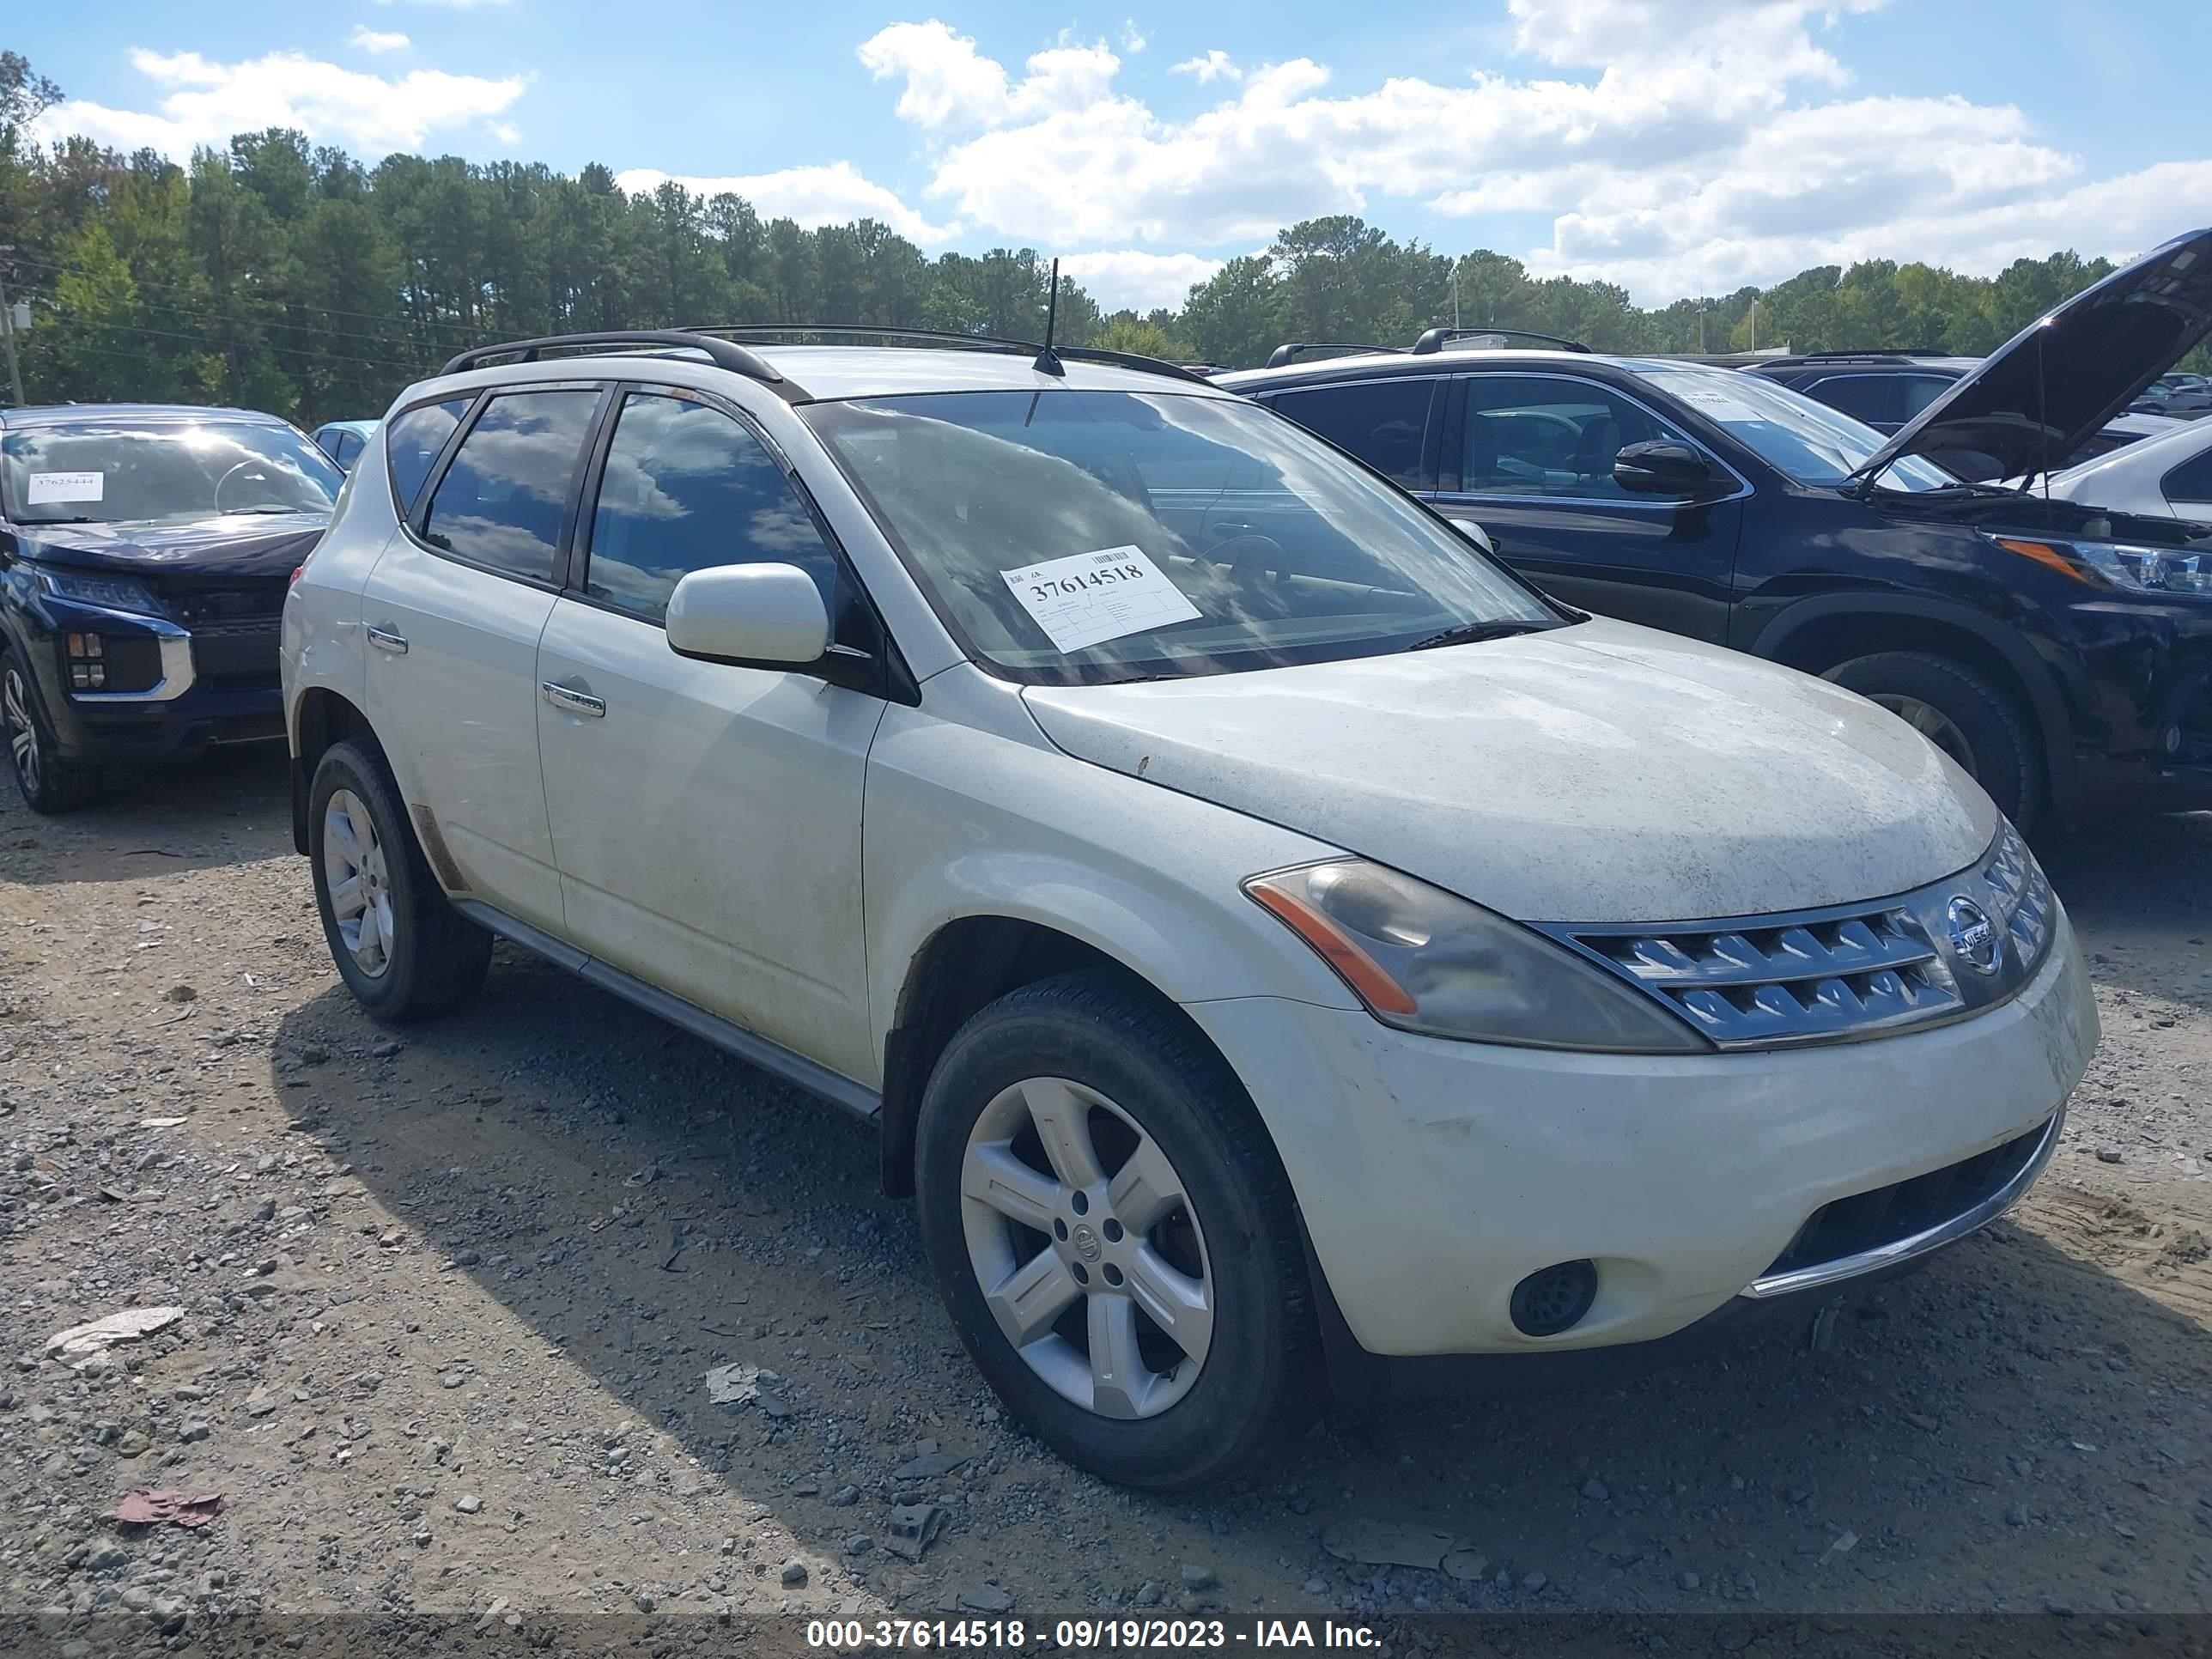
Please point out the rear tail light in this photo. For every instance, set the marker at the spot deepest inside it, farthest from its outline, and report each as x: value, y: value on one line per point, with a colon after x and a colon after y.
x: 292, y: 581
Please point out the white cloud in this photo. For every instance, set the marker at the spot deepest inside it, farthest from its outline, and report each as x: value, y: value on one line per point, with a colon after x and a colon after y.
x: 1675, y: 144
x: 1139, y: 280
x: 949, y: 84
x: 1215, y: 65
x: 369, y: 40
x: 832, y: 195
x: 450, y: 5
x: 506, y: 132
x: 207, y: 102
x: 1134, y: 40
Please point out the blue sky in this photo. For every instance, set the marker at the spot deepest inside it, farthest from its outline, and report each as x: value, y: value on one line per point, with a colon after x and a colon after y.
x: 1676, y: 146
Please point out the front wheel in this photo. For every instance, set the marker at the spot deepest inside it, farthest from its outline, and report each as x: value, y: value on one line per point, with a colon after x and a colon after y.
x: 48, y: 783
x: 402, y: 949
x: 1959, y: 711
x: 1113, y: 1235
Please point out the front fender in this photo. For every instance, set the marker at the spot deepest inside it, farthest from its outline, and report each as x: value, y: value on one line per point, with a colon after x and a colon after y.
x: 963, y: 822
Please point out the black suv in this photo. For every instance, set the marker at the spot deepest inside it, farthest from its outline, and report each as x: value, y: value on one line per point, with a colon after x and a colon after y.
x: 2061, y: 653
x: 144, y: 552
x: 1886, y: 389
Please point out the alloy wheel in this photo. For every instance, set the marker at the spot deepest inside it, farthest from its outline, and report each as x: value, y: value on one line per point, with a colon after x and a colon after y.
x: 22, y: 736
x: 1087, y: 1248
x: 1932, y: 723
x: 354, y: 875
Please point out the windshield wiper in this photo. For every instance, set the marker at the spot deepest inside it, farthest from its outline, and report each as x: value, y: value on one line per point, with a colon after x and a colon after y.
x: 246, y: 511
x: 1473, y: 633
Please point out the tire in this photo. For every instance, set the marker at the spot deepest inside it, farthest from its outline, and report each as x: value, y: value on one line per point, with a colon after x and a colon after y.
x: 48, y: 783
x: 427, y: 958
x: 1964, y: 714
x: 1146, y: 1084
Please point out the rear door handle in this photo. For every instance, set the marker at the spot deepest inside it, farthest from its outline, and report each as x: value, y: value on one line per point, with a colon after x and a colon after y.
x: 573, y: 702
x: 385, y: 639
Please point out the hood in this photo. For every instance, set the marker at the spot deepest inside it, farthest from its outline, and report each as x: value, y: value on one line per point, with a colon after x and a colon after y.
x: 1596, y: 773
x: 2035, y: 399
x: 233, y: 546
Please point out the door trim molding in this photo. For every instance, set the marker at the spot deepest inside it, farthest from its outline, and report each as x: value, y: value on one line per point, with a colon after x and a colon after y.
x: 810, y: 1075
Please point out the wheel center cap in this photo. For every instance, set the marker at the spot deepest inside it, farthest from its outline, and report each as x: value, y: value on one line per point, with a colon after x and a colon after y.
x: 1086, y: 1242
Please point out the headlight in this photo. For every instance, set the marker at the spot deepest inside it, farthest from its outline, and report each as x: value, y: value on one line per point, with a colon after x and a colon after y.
x: 1425, y: 960
x: 2162, y: 570
x: 110, y: 592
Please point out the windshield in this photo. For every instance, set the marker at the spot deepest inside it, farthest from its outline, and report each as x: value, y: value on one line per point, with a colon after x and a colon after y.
x: 1808, y: 441
x: 113, y: 474
x: 1077, y: 538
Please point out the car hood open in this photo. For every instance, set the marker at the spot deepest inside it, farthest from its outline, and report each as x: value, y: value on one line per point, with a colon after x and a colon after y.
x: 2034, y: 400
x: 244, y: 545
x: 1596, y: 773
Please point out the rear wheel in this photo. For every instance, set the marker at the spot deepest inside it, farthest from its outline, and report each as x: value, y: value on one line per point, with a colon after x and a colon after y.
x: 402, y: 949
x: 1962, y: 713
x: 48, y: 783
x: 1113, y: 1235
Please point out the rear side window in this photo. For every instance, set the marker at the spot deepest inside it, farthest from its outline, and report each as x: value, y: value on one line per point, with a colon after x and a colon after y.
x: 1916, y: 392
x: 347, y: 450
x: 686, y: 488
x: 412, y: 442
x: 2190, y: 482
x: 1868, y: 397
x: 1382, y: 421
x: 501, y: 502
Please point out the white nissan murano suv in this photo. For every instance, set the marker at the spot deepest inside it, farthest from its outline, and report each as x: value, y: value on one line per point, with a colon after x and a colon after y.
x: 1276, y: 946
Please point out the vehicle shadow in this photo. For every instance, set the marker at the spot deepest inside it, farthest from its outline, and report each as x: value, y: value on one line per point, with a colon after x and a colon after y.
x: 231, y: 807
x: 2014, y: 1428
x: 2141, y: 929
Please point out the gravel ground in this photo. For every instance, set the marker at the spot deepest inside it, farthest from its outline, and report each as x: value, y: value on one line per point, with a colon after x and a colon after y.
x: 449, y: 1300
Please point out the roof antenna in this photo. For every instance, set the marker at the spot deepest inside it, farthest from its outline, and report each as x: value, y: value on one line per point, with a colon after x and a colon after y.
x: 1048, y: 361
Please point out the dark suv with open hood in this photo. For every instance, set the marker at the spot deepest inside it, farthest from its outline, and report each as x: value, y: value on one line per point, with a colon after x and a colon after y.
x: 2060, y: 652
x: 144, y: 552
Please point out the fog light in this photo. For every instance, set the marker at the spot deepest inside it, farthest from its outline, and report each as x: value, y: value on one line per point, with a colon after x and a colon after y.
x: 1554, y: 1300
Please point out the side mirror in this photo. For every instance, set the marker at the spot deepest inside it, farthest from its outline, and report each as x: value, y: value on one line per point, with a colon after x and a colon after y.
x: 1662, y: 467
x: 1475, y: 533
x: 760, y: 615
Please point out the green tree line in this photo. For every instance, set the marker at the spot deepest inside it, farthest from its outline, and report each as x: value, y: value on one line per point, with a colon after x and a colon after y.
x: 285, y: 275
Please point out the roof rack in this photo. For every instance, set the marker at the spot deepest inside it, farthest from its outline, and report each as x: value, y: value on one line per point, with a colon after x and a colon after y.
x: 725, y: 354
x: 997, y: 343
x: 1288, y: 352
x: 1436, y: 339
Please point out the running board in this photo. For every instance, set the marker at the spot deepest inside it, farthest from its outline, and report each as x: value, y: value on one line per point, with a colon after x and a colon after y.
x: 815, y: 1079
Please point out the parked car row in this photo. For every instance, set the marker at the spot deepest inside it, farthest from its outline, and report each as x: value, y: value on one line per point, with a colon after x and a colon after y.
x: 2056, y: 645
x: 1282, y: 948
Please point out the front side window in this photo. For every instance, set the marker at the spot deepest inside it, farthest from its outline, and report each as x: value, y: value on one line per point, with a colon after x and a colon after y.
x: 1868, y: 397
x: 1916, y: 392
x: 160, y: 472
x: 1539, y: 435
x: 687, y: 488
x: 501, y: 502
x: 1384, y: 422
x: 2190, y: 482
x: 1798, y: 436
x: 347, y: 450
x: 412, y: 443
x: 1030, y: 520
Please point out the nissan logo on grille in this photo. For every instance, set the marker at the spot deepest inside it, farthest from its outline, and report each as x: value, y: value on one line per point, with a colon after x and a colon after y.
x: 1974, y: 938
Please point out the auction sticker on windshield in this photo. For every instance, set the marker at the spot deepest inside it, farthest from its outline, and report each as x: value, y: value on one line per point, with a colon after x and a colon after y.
x: 47, y: 488
x: 1087, y: 598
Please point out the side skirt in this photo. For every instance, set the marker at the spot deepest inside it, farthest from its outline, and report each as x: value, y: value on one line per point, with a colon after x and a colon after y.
x: 864, y: 1102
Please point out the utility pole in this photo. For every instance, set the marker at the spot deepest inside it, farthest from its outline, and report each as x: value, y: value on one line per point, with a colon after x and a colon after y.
x: 1455, y: 293
x: 8, y: 337
x: 1754, y: 323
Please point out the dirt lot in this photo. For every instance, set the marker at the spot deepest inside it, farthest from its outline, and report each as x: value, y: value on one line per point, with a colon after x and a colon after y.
x: 449, y: 1301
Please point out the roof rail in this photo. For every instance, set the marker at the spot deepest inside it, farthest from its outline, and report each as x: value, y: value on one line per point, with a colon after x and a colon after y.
x: 1288, y: 351
x: 1877, y: 356
x: 947, y: 337
x: 1435, y: 339
x: 725, y: 354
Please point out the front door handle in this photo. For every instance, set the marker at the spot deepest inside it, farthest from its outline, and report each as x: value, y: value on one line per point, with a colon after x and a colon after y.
x: 572, y: 702
x: 385, y: 639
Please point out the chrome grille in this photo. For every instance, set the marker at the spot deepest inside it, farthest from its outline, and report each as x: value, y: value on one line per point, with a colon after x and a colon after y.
x: 1847, y: 971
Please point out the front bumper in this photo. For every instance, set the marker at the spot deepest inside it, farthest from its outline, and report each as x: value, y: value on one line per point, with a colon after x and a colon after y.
x: 1433, y: 1176
x: 188, y: 703
x: 2143, y: 678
